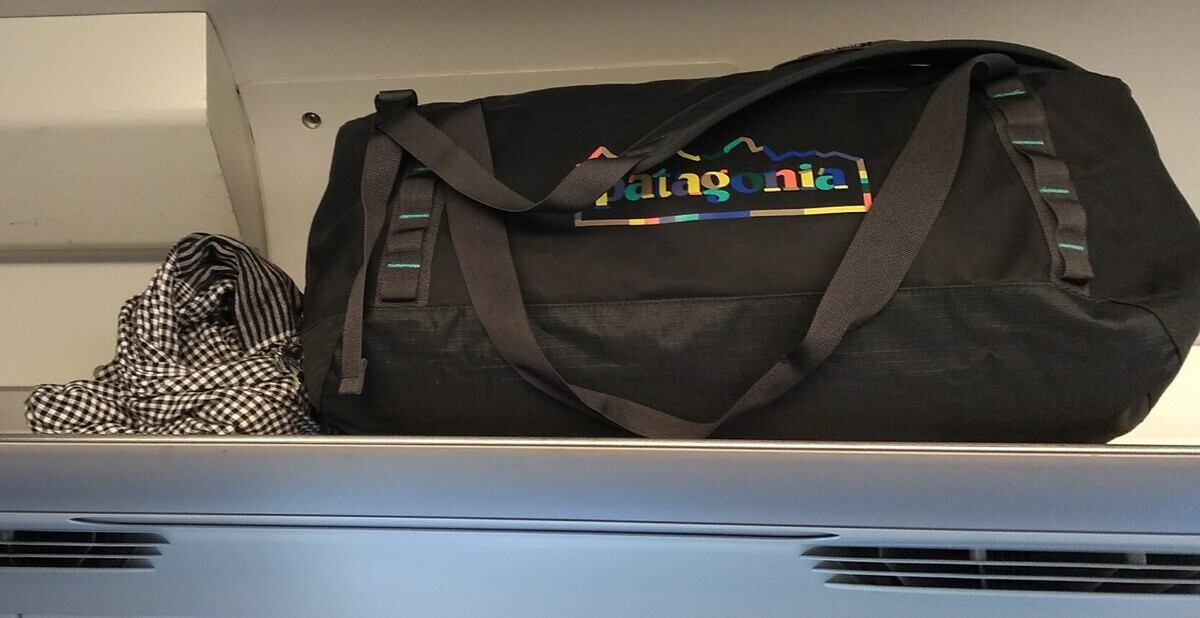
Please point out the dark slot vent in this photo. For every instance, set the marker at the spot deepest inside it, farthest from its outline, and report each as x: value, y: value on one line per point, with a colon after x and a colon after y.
x: 53, y: 549
x: 1009, y: 570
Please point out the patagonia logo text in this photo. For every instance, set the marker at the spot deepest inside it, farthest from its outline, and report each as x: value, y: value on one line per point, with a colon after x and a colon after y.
x: 715, y: 186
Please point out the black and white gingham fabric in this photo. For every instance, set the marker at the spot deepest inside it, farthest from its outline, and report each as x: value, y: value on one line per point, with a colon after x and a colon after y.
x: 210, y: 347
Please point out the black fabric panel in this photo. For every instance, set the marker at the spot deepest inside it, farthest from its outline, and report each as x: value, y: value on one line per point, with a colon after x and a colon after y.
x: 335, y: 237
x: 988, y: 231
x: 334, y: 252
x: 1144, y: 239
x: 1020, y: 363
x: 446, y: 285
x: 938, y: 364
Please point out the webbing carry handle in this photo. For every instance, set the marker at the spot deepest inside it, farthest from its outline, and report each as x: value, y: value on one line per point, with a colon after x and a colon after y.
x: 880, y: 255
x: 403, y: 123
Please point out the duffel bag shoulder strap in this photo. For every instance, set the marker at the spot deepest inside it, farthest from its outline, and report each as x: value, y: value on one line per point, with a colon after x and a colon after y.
x: 880, y: 254
x: 403, y: 123
x: 382, y: 164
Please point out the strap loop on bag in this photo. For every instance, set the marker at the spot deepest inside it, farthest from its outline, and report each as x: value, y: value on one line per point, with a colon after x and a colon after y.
x: 403, y: 259
x: 1028, y: 131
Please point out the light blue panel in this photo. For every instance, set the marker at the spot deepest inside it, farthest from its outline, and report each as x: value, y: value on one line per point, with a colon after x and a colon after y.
x: 323, y: 569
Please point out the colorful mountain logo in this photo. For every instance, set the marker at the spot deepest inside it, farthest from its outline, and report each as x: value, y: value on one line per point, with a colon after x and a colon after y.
x: 825, y: 173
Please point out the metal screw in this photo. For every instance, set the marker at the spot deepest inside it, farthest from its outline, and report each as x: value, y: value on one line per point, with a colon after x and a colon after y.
x: 311, y: 120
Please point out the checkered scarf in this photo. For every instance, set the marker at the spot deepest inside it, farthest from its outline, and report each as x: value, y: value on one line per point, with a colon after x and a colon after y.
x: 210, y: 347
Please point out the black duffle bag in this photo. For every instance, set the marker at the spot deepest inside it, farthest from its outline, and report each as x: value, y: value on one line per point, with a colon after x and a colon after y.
x: 933, y: 241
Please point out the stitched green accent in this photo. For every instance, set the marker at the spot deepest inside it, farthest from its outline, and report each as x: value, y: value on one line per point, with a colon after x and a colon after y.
x: 1067, y: 245
x: 415, y: 215
x: 1010, y: 93
x: 1054, y: 190
x: 1028, y: 142
x: 403, y: 265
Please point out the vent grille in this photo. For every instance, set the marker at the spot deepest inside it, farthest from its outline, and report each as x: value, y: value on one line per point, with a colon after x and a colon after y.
x: 1009, y: 570
x: 53, y: 549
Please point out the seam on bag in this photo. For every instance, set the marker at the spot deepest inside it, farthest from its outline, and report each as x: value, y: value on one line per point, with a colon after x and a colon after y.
x: 797, y: 295
x: 456, y: 308
x: 1179, y: 354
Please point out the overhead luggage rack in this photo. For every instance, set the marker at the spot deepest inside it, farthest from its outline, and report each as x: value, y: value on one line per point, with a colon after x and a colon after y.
x: 458, y: 526
x: 247, y: 98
